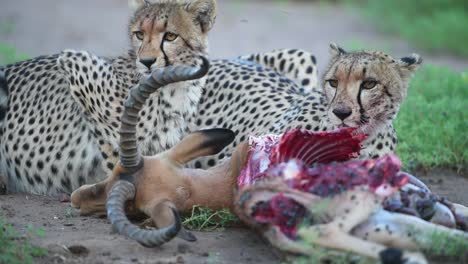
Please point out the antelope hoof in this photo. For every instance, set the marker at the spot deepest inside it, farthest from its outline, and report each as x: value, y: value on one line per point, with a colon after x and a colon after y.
x: 186, y: 235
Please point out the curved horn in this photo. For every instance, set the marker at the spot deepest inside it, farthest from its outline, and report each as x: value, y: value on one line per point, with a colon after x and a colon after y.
x: 120, y: 193
x: 130, y: 158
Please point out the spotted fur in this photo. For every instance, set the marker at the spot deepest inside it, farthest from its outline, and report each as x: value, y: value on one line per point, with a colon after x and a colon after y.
x: 252, y: 99
x: 297, y: 65
x: 60, y: 129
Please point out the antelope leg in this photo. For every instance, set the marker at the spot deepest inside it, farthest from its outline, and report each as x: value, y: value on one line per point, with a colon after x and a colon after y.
x: 348, y: 210
x: 402, y: 231
x: 329, y: 235
x: 162, y: 216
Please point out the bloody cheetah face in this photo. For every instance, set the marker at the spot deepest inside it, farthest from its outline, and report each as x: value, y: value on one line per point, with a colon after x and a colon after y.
x: 167, y: 33
x: 366, y: 88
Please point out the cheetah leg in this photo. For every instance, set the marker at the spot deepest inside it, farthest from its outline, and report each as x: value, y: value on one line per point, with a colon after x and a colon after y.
x: 348, y: 210
x: 298, y: 65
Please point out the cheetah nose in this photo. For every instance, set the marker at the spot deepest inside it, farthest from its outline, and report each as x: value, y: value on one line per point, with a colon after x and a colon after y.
x: 342, y: 113
x: 148, y: 62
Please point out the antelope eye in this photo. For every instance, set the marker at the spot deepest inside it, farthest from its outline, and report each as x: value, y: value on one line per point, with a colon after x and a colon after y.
x: 333, y: 83
x: 139, y: 34
x: 169, y: 36
x: 369, y: 84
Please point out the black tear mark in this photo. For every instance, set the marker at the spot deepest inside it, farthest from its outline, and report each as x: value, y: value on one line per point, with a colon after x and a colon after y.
x: 387, y: 92
x: 166, y: 59
x: 361, y: 109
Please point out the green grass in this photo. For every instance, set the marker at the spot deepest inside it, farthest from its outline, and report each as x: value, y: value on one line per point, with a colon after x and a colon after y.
x: 9, y: 54
x: 433, y: 120
x: 15, y: 248
x: 434, y: 25
x: 207, y: 219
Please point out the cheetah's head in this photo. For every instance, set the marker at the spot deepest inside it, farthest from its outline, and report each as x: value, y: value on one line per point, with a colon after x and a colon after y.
x: 365, y: 88
x: 166, y: 33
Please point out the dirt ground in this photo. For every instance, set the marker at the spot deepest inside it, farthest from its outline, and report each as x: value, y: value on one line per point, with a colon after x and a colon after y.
x: 91, y: 239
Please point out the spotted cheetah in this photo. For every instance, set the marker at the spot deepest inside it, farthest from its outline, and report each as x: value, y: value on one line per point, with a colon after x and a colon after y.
x: 63, y: 111
x: 59, y: 114
x: 60, y: 127
x: 240, y: 94
x: 361, y: 89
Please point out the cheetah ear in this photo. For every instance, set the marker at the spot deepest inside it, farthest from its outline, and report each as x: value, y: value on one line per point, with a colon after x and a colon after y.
x: 137, y: 4
x: 408, y: 65
x: 204, y: 12
x: 336, y: 50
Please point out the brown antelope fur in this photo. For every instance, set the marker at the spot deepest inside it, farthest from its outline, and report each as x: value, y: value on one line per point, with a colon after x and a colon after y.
x: 164, y: 183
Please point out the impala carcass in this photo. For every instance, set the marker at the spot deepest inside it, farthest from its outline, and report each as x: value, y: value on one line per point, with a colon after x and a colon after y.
x: 301, y: 185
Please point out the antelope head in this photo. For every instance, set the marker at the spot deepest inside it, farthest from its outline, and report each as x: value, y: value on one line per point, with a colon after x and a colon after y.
x: 160, y: 186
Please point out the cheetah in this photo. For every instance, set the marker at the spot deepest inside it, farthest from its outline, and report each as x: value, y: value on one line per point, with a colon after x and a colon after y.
x: 250, y: 95
x: 60, y: 127
x: 361, y: 89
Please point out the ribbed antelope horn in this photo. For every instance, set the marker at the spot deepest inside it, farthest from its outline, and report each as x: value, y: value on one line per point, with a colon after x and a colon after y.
x: 131, y: 160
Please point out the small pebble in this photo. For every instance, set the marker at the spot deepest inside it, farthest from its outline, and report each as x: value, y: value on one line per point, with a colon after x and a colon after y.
x: 182, y: 248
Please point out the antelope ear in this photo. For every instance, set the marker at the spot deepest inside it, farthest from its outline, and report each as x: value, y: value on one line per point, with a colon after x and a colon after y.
x: 137, y: 4
x: 406, y: 66
x: 336, y: 50
x: 201, y: 143
x: 204, y: 12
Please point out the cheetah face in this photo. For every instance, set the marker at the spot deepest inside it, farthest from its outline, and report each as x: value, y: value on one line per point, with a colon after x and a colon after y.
x: 170, y: 32
x: 365, y: 89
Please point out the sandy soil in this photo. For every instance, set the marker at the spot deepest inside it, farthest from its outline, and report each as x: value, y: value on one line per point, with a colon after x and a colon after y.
x: 91, y: 239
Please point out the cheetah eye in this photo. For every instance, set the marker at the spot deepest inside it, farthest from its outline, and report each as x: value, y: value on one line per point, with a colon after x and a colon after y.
x: 333, y: 83
x: 368, y: 84
x: 139, y: 34
x: 169, y: 36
